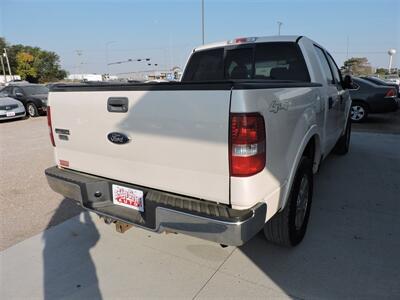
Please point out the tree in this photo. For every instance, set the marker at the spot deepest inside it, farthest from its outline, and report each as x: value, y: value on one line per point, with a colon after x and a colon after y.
x: 382, y: 71
x: 39, y: 66
x: 358, y: 66
x: 25, y: 65
x: 49, y: 67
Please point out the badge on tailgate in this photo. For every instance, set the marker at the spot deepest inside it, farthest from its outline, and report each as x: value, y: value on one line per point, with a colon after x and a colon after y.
x: 118, y: 138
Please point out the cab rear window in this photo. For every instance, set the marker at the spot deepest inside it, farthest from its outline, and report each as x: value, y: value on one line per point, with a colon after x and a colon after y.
x: 259, y: 61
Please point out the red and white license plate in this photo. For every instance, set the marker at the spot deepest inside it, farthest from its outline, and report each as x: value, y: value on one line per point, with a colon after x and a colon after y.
x: 128, y: 197
x: 10, y: 114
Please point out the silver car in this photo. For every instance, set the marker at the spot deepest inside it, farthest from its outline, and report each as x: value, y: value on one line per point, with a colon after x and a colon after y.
x: 11, y: 108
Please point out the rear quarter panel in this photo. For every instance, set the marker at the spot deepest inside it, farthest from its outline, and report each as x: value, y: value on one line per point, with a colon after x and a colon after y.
x: 291, y: 116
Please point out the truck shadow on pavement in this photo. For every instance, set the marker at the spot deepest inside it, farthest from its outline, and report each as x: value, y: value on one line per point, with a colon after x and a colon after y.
x: 351, y: 246
x: 68, y: 267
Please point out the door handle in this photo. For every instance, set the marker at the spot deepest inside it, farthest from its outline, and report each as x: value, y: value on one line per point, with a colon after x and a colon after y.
x: 117, y: 104
x: 330, y: 102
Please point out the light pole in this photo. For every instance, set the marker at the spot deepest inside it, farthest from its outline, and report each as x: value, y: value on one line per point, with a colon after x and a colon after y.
x: 202, y: 20
x: 79, y: 62
x: 4, y: 69
x: 279, y: 27
x: 107, y: 44
x: 8, y: 63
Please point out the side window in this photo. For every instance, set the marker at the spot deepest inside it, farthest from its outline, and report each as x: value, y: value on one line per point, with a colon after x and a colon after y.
x: 325, y: 65
x: 280, y: 61
x: 335, y: 69
x: 17, y: 90
x: 205, y: 66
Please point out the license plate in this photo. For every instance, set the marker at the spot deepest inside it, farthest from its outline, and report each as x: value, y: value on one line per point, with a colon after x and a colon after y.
x: 10, y: 114
x: 128, y: 197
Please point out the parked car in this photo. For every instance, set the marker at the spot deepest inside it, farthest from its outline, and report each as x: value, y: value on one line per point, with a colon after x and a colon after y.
x: 228, y: 151
x: 11, y: 108
x: 368, y: 98
x: 32, y: 96
x: 379, y: 81
x: 393, y: 78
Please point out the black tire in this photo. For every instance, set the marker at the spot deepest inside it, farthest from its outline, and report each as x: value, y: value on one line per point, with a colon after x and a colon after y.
x: 32, y: 110
x: 282, y: 229
x: 358, y: 112
x: 343, y: 144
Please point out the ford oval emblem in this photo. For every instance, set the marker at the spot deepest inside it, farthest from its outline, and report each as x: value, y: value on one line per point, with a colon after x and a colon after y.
x: 118, y: 138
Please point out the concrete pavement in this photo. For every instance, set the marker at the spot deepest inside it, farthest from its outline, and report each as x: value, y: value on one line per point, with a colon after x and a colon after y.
x: 351, y: 249
x: 27, y: 204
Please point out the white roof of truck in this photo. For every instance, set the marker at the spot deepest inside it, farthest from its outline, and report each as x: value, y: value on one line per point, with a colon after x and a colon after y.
x: 276, y: 38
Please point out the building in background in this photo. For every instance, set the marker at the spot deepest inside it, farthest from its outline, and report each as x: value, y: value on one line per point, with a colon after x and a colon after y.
x: 8, y: 78
x: 85, y: 77
x: 170, y: 75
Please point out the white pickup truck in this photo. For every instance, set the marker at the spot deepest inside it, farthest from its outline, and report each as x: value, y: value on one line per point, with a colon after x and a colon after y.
x: 227, y: 152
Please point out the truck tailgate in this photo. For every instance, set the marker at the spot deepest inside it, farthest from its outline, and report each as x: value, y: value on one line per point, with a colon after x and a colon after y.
x: 178, y: 138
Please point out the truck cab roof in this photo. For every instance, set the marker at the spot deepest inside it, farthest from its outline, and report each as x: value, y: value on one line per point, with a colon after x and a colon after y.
x: 247, y: 40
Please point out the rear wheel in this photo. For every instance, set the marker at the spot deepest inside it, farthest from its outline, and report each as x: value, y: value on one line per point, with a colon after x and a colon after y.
x: 358, y: 112
x: 288, y: 227
x: 32, y: 110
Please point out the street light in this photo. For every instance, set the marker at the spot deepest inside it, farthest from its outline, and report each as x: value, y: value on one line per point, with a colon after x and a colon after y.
x: 279, y: 27
x: 202, y: 20
x: 106, y: 49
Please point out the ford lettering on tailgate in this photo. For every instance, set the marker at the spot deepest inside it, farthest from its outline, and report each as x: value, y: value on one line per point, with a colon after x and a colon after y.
x: 118, y: 138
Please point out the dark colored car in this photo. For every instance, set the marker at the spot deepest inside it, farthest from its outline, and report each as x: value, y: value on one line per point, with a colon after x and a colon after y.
x: 379, y: 81
x: 32, y: 96
x: 368, y: 98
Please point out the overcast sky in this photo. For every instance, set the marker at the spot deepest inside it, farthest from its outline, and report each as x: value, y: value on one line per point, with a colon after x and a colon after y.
x: 167, y: 30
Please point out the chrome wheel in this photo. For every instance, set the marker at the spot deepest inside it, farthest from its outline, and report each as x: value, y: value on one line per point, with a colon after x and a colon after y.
x: 357, y: 113
x: 31, y: 110
x: 302, y: 202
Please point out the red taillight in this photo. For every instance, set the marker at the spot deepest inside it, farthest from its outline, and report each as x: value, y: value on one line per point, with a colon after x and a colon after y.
x: 247, y: 145
x: 50, y: 126
x: 391, y: 93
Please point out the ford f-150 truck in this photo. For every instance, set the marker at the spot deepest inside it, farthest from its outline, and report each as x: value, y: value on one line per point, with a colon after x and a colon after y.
x: 227, y: 152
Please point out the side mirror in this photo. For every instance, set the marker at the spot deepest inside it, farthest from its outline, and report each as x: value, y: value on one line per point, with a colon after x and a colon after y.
x: 347, y: 82
x: 19, y: 95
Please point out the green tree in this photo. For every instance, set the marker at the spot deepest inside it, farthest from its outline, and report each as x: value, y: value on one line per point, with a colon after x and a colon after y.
x: 48, y: 67
x: 358, y: 66
x: 44, y: 67
x: 382, y: 71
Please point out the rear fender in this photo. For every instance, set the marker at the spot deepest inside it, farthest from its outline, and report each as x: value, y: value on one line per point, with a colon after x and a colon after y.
x: 311, y: 133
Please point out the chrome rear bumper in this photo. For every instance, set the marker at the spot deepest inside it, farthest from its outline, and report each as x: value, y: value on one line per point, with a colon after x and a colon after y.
x: 203, y: 219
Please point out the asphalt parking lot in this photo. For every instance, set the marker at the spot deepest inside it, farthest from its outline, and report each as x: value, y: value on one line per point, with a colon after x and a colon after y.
x: 351, y: 249
x: 380, y: 123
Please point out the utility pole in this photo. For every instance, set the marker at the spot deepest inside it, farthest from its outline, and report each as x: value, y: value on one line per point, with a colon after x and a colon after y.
x: 202, y: 20
x: 79, y: 54
x: 4, y: 69
x: 107, y: 44
x: 279, y: 27
x: 8, y: 63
